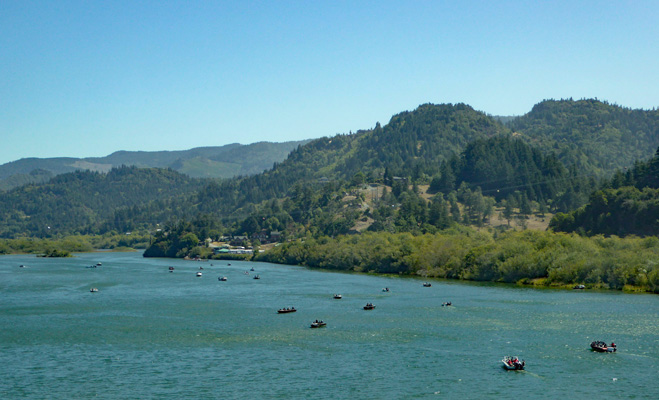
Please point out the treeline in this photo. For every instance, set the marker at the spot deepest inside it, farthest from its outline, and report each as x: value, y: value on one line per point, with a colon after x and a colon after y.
x: 529, y: 257
x: 75, y: 244
x: 594, y: 136
x: 627, y: 204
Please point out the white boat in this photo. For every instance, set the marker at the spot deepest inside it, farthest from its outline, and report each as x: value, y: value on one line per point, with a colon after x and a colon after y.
x: 513, y: 363
x: 93, y: 290
x: 198, y: 274
x: 222, y: 278
x: 338, y: 296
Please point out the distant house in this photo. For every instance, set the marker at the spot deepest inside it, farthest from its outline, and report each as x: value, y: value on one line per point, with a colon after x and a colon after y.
x: 275, y: 236
x: 238, y: 240
x: 261, y: 236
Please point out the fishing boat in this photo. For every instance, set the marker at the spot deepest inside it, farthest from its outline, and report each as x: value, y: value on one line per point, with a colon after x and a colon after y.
x: 286, y: 310
x: 318, y: 324
x: 602, y: 347
x: 427, y: 284
x: 448, y: 303
x: 385, y: 289
x: 257, y: 277
x: 93, y: 290
x: 513, y: 363
x: 338, y: 296
x: 222, y: 278
x: 369, y: 306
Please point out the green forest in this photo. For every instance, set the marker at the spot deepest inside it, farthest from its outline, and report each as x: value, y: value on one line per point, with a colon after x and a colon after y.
x: 437, y: 176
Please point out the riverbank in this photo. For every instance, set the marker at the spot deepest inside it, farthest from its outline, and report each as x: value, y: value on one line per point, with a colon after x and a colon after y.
x: 540, y: 259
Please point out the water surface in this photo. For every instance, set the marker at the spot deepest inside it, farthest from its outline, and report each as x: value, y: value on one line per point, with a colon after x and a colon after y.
x: 148, y: 333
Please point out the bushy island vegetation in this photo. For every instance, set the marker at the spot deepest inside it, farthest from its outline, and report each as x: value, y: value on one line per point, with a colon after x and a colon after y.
x: 440, y: 191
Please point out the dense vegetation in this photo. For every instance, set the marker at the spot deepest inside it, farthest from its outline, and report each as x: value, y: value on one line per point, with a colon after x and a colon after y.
x: 592, y: 135
x: 528, y: 257
x: 627, y: 205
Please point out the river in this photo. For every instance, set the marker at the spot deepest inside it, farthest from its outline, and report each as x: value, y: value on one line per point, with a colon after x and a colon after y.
x: 151, y: 334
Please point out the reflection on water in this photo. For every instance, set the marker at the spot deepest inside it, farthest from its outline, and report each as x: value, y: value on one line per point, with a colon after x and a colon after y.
x: 148, y: 333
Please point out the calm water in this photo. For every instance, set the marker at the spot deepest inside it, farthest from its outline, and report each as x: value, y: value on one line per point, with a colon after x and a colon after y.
x: 148, y: 333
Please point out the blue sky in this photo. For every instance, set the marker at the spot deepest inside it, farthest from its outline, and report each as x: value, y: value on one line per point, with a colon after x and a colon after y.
x: 87, y: 78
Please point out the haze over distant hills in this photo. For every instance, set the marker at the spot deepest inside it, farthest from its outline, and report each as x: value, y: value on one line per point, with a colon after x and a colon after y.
x: 201, y: 162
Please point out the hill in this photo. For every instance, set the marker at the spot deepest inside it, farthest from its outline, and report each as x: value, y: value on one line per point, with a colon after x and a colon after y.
x: 211, y: 162
x: 594, y: 136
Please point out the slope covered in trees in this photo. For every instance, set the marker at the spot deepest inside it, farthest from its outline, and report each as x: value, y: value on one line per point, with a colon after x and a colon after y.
x: 595, y: 136
x: 627, y: 205
x: 93, y: 202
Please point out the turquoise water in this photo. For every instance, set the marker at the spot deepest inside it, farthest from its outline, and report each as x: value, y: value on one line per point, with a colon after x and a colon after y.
x: 151, y: 334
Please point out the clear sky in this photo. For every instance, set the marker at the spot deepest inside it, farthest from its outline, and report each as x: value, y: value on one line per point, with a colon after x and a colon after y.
x: 87, y: 78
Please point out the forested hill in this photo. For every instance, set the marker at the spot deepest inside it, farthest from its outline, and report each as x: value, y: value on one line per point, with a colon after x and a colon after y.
x: 627, y: 205
x: 411, y: 144
x: 594, y: 136
x: 212, y: 162
x: 93, y: 202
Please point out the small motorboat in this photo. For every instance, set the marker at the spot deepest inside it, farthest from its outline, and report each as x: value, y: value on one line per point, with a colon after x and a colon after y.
x: 579, y: 287
x: 251, y: 269
x: 513, y: 363
x: 256, y: 277
x: 171, y: 269
x: 318, y: 324
x: 369, y: 306
x: 448, y: 303
x: 427, y: 284
x: 602, y: 347
x: 338, y: 296
x: 93, y: 290
x: 199, y: 274
x: 98, y: 264
x: 286, y: 310
x: 385, y: 289
x: 22, y: 266
x: 229, y: 264
x: 222, y: 278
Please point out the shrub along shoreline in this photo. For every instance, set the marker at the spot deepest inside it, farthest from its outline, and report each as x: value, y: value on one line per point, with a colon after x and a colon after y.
x: 536, y: 258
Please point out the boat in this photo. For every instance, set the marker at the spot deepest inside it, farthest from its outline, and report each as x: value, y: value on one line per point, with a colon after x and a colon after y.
x: 513, y: 363
x: 22, y: 266
x: 222, y: 278
x: 98, y: 264
x: 385, y: 289
x: 602, y: 347
x: 171, y: 269
x: 579, y: 287
x: 338, y: 296
x: 257, y: 277
x: 369, y: 306
x: 318, y: 324
x: 229, y: 264
x: 286, y: 310
x: 427, y: 284
x: 251, y: 269
x: 91, y: 266
x: 448, y: 303
x: 93, y: 290
x: 198, y: 274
